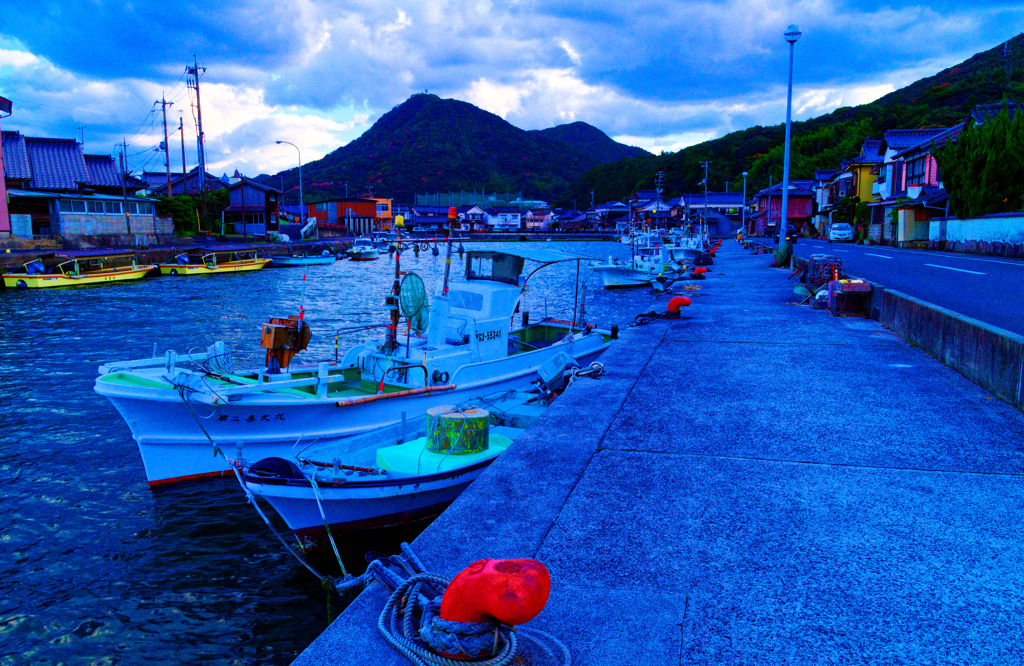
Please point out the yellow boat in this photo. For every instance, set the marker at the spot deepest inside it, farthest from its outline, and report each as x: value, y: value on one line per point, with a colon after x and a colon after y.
x: 69, y: 271
x: 208, y: 263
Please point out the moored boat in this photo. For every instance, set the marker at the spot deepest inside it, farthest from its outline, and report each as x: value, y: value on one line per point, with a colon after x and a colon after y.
x: 65, y: 270
x: 279, y: 260
x: 402, y: 474
x: 363, y: 250
x: 217, y: 261
x: 456, y: 347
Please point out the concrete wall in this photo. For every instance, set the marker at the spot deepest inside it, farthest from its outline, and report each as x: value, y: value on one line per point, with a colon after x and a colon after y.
x: 77, y: 224
x: 989, y: 356
x: 1008, y: 229
x: 21, y: 225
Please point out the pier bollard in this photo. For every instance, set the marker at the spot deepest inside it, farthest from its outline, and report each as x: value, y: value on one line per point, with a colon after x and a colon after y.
x: 509, y: 591
x: 674, y: 306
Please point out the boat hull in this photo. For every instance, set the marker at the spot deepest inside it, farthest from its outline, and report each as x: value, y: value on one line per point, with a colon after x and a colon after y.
x: 621, y: 277
x: 266, y: 424
x: 278, y: 261
x: 357, y: 506
x: 203, y: 269
x: 48, y: 280
x: 368, y: 255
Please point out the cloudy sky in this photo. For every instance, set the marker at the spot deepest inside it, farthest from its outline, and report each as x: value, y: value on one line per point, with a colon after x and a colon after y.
x: 652, y: 73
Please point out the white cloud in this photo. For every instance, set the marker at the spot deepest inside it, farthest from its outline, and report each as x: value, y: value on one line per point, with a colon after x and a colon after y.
x: 9, y: 58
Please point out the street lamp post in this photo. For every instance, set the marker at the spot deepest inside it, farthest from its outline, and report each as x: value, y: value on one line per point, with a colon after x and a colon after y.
x: 743, y: 211
x: 302, y: 204
x: 792, y: 34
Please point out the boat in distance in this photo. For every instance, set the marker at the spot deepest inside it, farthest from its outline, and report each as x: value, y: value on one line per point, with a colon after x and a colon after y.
x: 210, y: 262
x: 455, y: 347
x: 64, y: 270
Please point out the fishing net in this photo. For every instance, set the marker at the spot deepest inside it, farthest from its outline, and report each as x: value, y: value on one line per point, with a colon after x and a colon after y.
x: 413, y: 301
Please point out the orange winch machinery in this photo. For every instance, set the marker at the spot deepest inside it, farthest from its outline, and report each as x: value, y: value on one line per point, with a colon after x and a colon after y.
x: 283, y: 339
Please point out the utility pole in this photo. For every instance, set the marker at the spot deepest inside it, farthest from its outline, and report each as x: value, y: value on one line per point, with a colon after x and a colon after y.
x: 181, y: 128
x: 167, y: 146
x: 193, y: 82
x: 706, y: 164
x: 124, y: 188
x: 81, y: 128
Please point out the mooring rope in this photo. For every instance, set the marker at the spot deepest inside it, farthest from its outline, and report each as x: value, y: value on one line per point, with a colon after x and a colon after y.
x: 410, y: 621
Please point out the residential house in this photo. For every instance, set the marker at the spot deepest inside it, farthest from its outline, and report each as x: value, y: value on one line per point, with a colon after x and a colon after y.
x: 800, y: 207
x: 191, y: 183
x: 54, y: 188
x: 607, y: 216
x: 822, y: 181
x: 471, y: 218
x: 920, y: 196
x: 253, y: 207
x: 430, y: 220
x: 852, y: 184
x: 722, y: 211
x: 504, y: 218
x: 538, y: 219
x: 641, y: 204
x: 891, y: 185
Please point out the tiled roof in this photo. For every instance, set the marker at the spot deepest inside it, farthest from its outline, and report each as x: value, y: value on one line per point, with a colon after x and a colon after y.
x: 901, y: 139
x: 870, y: 153
x: 103, y: 171
x: 57, y: 164
x: 16, y: 164
x: 983, y: 112
x: 939, y: 139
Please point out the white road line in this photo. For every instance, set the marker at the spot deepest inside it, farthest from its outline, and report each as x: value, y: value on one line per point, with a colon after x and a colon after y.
x: 876, y: 255
x: 950, y: 268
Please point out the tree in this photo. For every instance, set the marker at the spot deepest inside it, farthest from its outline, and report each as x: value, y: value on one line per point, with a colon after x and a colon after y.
x: 983, y: 170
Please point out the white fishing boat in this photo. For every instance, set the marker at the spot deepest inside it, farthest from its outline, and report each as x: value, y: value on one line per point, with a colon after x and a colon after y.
x: 363, y: 250
x: 399, y: 475
x: 646, y: 266
x: 456, y: 347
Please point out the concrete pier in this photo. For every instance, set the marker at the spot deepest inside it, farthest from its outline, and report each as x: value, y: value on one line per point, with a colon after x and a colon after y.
x: 756, y: 483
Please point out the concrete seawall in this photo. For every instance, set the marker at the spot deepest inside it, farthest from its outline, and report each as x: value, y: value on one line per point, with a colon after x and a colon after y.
x: 756, y: 483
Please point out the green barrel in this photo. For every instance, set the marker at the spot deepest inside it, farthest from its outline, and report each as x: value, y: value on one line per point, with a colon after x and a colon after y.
x: 457, y: 432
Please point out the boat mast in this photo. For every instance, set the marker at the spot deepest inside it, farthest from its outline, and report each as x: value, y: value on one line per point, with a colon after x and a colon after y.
x: 448, y: 257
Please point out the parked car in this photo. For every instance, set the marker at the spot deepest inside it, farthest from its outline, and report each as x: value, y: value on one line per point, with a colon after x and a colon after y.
x: 840, y: 231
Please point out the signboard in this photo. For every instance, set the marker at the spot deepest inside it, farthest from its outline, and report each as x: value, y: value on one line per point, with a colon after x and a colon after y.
x: 5, y: 106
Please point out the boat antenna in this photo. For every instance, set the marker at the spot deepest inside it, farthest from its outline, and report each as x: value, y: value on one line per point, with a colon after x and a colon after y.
x: 448, y: 257
x: 302, y: 299
x: 392, y: 301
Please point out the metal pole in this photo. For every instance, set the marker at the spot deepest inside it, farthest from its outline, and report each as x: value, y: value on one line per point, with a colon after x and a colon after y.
x: 792, y: 34
x: 167, y: 145
x: 743, y: 210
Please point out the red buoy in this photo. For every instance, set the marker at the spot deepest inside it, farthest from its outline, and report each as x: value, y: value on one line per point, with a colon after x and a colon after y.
x: 509, y: 591
x: 699, y: 270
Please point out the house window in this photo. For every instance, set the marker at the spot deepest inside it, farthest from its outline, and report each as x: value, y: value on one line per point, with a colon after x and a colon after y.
x: 916, y: 170
x: 322, y: 206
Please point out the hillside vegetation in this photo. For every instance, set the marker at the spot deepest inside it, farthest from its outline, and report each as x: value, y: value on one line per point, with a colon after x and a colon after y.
x: 942, y: 100
x: 429, y: 144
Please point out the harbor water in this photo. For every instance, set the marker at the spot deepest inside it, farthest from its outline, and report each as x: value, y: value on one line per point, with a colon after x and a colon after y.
x: 97, y: 568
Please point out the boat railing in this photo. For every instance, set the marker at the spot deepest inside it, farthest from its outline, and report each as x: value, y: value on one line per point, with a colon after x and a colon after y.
x: 426, y: 377
x: 348, y: 330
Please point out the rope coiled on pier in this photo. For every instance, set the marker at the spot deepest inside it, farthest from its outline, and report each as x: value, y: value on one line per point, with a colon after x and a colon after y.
x: 410, y: 620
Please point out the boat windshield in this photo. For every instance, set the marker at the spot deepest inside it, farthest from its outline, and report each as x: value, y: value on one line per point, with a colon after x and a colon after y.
x: 494, y: 266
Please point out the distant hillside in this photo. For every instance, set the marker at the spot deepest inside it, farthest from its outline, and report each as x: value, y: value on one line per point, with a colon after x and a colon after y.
x: 820, y: 143
x: 429, y: 144
x: 592, y: 142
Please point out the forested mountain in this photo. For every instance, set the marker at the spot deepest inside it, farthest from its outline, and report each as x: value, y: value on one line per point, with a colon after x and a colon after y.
x: 592, y: 142
x: 942, y: 100
x: 429, y: 144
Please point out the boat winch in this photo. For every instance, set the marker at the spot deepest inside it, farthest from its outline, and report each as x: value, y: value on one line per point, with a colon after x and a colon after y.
x: 283, y: 339
x: 457, y: 432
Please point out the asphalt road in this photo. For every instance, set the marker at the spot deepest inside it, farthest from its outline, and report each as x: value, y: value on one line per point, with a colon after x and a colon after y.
x: 989, y: 289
